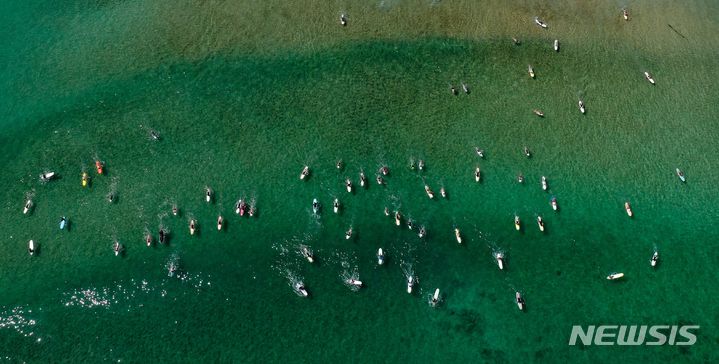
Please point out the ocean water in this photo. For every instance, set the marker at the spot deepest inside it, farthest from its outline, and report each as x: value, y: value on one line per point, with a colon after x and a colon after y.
x: 244, y: 94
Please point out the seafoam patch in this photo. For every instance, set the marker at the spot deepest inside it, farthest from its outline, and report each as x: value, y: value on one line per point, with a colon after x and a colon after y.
x: 132, y: 293
x: 18, y: 320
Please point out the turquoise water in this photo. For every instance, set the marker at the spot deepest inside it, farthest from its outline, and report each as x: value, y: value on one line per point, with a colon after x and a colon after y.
x: 242, y: 112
